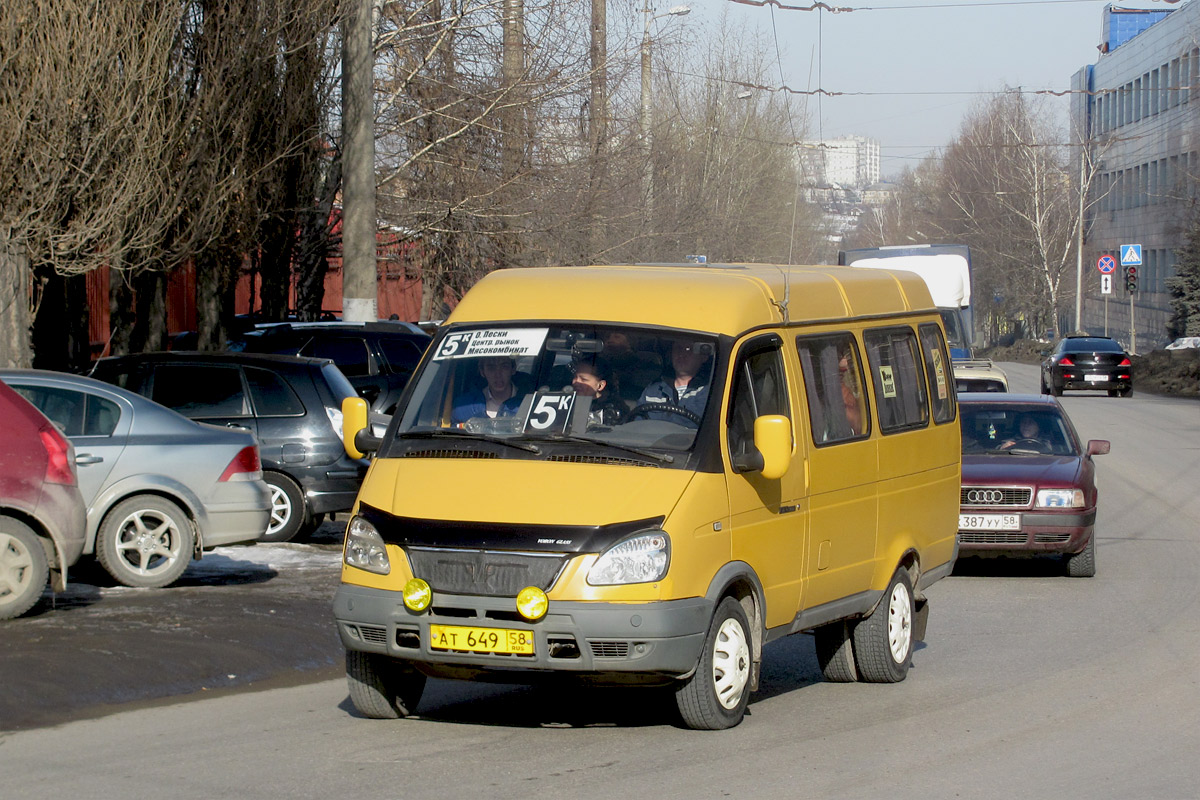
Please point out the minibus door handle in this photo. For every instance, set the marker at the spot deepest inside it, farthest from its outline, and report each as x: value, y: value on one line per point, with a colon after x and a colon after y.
x: 788, y: 509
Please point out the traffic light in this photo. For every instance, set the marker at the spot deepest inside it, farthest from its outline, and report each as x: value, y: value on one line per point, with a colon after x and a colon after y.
x: 1131, y: 279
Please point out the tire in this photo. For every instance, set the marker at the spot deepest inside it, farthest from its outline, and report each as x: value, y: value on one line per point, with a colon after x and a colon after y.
x: 382, y: 687
x: 24, y: 570
x: 1083, y: 563
x: 1127, y: 392
x: 883, y: 641
x: 1044, y: 388
x: 716, y: 695
x: 289, y: 512
x: 835, y: 652
x: 1055, y: 390
x: 145, y: 541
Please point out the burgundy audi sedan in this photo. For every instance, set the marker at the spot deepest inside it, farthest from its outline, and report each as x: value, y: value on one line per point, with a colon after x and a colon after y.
x: 1028, y: 484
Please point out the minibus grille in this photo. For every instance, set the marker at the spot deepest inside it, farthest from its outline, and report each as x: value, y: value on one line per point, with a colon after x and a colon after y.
x: 446, y: 453
x: 630, y: 462
x: 996, y: 496
x: 489, y: 573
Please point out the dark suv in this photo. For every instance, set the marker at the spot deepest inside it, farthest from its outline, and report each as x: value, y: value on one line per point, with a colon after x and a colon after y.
x: 291, y: 404
x: 377, y: 357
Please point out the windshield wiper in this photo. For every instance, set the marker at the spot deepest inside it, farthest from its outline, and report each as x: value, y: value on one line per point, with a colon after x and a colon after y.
x: 457, y: 433
x: 566, y: 437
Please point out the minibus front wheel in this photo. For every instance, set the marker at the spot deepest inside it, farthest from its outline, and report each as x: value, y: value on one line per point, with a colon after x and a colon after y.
x: 716, y: 694
x: 382, y: 687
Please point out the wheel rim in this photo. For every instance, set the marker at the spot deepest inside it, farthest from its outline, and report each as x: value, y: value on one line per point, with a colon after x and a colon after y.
x: 16, y: 565
x: 281, y: 510
x: 731, y: 663
x: 899, y: 623
x: 149, y: 542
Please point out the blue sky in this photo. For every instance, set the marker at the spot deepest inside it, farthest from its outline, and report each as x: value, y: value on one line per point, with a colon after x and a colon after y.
x: 919, y: 54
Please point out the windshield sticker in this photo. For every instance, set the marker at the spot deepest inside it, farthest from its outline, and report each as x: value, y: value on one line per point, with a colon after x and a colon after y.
x: 939, y: 372
x: 888, y: 380
x: 492, y: 342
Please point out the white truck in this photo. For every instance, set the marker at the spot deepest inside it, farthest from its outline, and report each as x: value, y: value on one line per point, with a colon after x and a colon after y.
x: 946, y: 269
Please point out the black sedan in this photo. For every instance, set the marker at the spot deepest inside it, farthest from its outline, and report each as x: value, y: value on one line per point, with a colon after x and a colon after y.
x: 1087, y: 362
x: 1028, y: 483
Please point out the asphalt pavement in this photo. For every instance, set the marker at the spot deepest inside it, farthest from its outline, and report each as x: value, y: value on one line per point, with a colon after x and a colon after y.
x: 240, y: 619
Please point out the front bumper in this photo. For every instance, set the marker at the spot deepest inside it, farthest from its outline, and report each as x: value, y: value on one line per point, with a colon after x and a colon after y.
x: 1041, y: 532
x: 617, y: 640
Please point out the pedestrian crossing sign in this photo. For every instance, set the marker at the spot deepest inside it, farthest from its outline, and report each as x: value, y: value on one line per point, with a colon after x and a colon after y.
x: 1131, y: 255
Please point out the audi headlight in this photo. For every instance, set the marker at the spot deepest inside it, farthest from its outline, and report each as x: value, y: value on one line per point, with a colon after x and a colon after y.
x: 1059, y: 498
x: 639, y: 559
x: 365, y: 548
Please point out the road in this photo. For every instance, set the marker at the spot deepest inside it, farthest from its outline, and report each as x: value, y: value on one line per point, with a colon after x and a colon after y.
x: 1028, y: 685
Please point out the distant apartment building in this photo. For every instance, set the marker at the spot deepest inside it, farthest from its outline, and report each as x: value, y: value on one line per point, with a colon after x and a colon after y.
x: 1137, y: 109
x: 851, y: 162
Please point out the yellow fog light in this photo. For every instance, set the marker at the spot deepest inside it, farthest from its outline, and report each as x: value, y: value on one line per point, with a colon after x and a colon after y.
x: 532, y: 603
x: 417, y: 595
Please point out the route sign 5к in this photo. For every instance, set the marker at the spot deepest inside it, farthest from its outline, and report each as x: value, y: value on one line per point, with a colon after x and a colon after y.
x: 1106, y: 264
x: 1131, y: 255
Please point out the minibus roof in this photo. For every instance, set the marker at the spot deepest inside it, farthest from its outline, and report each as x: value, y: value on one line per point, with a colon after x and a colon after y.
x: 720, y: 298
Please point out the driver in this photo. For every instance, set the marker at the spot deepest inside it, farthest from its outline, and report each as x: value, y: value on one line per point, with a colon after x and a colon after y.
x: 498, y: 397
x: 1028, y: 429
x: 686, y: 387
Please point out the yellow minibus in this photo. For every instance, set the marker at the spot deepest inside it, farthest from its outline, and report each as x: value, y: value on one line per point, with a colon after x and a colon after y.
x: 643, y: 474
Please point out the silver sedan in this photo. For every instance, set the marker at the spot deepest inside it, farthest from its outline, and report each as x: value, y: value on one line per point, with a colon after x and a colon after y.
x: 160, y: 488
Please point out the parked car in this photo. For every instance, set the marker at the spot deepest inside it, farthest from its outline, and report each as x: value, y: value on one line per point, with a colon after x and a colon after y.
x: 1028, y: 484
x: 292, y: 404
x: 377, y: 357
x: 978, y: 375
x: 42, y: 513
x: 160, y: 488
x: 1087, y: 362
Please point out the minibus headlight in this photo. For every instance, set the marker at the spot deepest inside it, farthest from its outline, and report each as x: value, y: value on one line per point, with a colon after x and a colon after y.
x: 365, y: 548
x: 1059, y: 498
x: 640, y: 559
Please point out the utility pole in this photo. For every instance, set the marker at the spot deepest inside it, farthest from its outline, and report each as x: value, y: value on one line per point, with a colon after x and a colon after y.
x: 597, y: 121
x: 360, y: 226
x: 512, y: 70
x: 1079, y: 245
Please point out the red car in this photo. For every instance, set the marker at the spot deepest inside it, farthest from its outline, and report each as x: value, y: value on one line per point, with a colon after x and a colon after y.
x: 1028, y: 484
x: 42, y: 514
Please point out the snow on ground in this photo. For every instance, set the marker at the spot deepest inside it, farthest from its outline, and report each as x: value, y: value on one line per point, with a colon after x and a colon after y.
x: 284, y: 556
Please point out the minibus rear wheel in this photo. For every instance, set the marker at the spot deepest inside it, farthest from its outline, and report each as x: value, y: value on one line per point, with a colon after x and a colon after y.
x: 382, y: 687
x: 716, y: 695
x: 883, y: 640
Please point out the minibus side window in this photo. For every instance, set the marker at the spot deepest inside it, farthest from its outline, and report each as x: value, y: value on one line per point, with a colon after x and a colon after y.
x: 759, y: 387
x: 898, y: 377
x: 833, y: 381
x: 937, y: 368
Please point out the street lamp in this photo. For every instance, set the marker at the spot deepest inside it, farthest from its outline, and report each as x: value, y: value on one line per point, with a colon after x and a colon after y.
x: 674, y: 11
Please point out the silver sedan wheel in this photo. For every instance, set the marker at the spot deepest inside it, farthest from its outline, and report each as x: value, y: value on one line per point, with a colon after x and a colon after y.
x: 145, y: 541
x: 731, y: 663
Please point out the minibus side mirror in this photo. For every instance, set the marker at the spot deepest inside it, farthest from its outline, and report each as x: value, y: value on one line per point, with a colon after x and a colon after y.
x: 772, y: 451
x: 773, y: 438
x: 356, y: 435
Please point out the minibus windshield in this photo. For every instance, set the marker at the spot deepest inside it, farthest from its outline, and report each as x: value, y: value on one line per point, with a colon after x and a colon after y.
x: 634, y: 388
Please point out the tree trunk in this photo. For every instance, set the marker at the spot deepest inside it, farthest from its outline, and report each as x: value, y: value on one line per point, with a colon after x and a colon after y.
x: 150, y: 304
x: 14, y: 307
